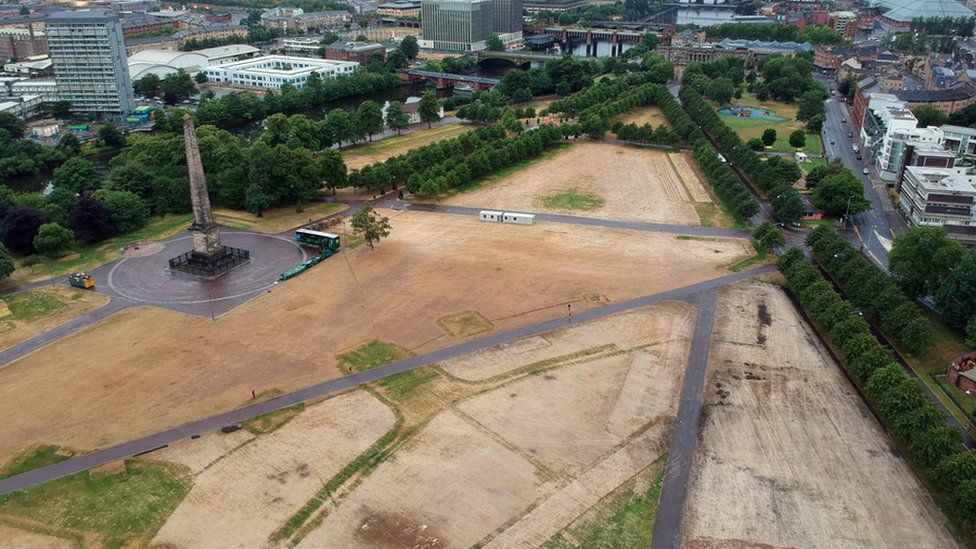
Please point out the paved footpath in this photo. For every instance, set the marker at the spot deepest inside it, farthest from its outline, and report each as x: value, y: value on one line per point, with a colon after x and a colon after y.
x: 592, y: 221
x: 667, y: 525
x: 158, y: 440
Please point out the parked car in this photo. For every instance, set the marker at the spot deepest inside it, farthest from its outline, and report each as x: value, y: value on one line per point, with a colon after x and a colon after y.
x: 844, y: 120
x: 866, y: 171
x: 859, y: 156
x: 850, y: 134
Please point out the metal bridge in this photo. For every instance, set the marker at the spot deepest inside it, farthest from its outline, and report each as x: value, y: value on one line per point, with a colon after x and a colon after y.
x: 448, y: 80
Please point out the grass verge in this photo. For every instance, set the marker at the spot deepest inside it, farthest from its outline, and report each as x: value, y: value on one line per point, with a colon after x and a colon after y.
x: 276, y: 220
x: 271, y: 421
x: 32, y: 305
x: 623, y: 519
x: 121, y: 508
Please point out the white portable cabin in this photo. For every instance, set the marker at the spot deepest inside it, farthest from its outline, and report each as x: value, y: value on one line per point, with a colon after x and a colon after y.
x: 518, y: 218
x: 490, y: 215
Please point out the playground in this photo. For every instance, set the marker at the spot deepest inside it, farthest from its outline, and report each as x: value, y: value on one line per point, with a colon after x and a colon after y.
x: 396, y: 293
x: 644, y: 186
x: 780, y: 485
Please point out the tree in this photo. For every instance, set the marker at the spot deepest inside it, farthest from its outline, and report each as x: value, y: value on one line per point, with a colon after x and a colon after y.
x: 798, y: 139
x: 756, y: 144
x: 928, y: 115
x: 177, y: 87
x: 201, y: 78
x: 16, y: 127
x: 921, y: 258
x: 7, y: 200
x: 956, y: 297
x: 53, y: 240
x: 932, y: 446
x: 69, y: 145
x: 370, y: 118
x: 396, y: 60
x: 409, y: 46
x: 395, y: 118
x: 971, y: 332
x: 769, y: 137
x: 371, y: 227
x: 495, y: 43
x: 111, y: 136
x: 128, y: 211
x: 6, y: 262
x: 90, y: 221
x: 815, y: 123
x: 256, y: 200
x: 811, y: 104
x: 429, y: 109
x: 840, y: 194
x: 77, y: 175
x: 147, y: 86
x: 594, y: 125
x: 338, y: 124
x: 768, y: 237
x: 20, y: 225
x: 720, y: 90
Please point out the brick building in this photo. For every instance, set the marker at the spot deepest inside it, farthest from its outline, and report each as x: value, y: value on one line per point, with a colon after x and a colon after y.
x: 961, y: 372
x: 360, y: 52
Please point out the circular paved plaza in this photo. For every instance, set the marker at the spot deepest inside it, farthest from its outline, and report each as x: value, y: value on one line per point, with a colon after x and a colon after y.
x: 145, y: 277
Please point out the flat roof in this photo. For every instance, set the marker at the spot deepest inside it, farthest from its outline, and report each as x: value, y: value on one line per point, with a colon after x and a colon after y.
x: 82, y: 16
x: 942, y: 179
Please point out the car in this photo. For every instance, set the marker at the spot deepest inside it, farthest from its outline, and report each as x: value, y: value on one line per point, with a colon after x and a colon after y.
x: 859, y: 157
x: 831, y: 142
x: 850, y: 134
x: 866, y: 171
x: 843, y: 120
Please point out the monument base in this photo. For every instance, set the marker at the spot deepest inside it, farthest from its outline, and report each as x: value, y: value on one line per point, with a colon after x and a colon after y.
x: 209, y: 266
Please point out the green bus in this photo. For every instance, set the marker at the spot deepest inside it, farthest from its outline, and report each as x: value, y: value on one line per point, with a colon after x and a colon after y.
x: 325, y: 242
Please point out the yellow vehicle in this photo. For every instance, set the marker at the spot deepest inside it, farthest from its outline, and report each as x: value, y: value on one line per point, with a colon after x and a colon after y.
x: 82, y: 280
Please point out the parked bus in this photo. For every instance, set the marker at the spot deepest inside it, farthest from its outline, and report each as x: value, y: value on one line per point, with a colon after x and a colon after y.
x: 323, y: 241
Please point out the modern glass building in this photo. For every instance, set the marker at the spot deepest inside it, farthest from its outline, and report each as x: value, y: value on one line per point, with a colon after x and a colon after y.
x: 90, y: 66
x: 456, y: 25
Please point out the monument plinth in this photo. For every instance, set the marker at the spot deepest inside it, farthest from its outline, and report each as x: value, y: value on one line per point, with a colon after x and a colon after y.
x: 208, y: 258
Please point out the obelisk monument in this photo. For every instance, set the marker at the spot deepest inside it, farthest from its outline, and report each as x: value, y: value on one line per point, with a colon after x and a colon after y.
x: 208, y: 258
x: 206, y: 233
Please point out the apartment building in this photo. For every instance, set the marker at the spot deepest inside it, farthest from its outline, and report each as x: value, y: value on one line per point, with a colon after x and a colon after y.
x: 940, y: 197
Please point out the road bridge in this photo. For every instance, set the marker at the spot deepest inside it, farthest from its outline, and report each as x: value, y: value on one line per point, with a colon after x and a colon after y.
x: 447, y: 80
x: 518, y: 57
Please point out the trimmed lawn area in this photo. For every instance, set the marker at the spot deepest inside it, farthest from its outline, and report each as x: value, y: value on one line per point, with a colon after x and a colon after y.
x: 276, y: 220
x: 124, y: 506
x: 358, y: 156
x: 749, y: 128
x: 948, y: 345
x: 811, y: 164
x: 87, y: 256
x: 372, y: 354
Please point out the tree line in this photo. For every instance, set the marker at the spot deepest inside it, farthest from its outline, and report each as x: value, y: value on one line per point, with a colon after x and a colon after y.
x: 877, y: 294
x: 775, y: 32
x: 908, y: 413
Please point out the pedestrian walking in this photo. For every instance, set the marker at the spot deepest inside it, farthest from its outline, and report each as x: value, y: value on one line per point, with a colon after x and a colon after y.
x: 253, y: 394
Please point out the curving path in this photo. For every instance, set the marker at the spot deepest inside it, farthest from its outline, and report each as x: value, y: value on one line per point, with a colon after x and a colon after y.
x: 158, y: 440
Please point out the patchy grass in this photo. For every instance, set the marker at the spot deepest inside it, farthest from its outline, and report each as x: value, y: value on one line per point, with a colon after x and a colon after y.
x: 372, y: 354
x: 277, y: 220
x: 648, y: 114
x: 758, y: 259
x: 403, y: 385
x: 121, y: 509
x: 270, y: 421
x: 623, y: 519
x: 32, y: 305
x: 87, y: 256
x: 572, y: 200
x: 358, y: 156
x: 807, y: 167
x: 814, y: 223
x: 465, y: 323
x: 749, y: 128
x: 35, y: 458
x: 714, y: 214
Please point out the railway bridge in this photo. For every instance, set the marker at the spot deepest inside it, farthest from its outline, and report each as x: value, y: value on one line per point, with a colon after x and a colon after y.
x: 444, y: 80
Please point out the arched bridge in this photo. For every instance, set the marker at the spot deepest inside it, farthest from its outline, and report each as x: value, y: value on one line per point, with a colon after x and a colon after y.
x: 518, y: 57
x: 448, y: 80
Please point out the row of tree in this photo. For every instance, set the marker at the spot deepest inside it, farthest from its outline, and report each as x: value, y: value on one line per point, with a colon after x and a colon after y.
x: 774, y: 176
x: 775, y: 32
x: 662, y: 135
x: 899, y: 399
x: 877, y: 294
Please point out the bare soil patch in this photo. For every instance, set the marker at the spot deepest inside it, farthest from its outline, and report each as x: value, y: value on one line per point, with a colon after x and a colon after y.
x: 246, y: 493
x: 147, y: 369
x: 635, y: 184
x: 24, y: 315
x: 788, y: 454
x: 453, y: 479
x: 648, y: 114
x: 16, y: 538
x: 378, y: 151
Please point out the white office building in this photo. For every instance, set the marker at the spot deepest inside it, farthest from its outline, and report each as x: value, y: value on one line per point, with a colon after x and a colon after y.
x: 90, y: 67
x: 272, y: 71
x: 889, y: 127
x: 941, y: 197
x: 960, y: 141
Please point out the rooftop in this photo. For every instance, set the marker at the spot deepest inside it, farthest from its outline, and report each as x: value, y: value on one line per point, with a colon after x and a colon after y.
x: 81, y: 16
x: 935, y: 96
x: 906, y: 10
x: 941, y: 180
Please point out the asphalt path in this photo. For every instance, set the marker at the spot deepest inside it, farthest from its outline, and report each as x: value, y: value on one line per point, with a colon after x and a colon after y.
x: 161, y: 439
x: 674, y: 492
x: 591, y: 221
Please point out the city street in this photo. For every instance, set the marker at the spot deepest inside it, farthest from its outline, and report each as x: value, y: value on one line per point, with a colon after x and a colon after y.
x: 874, y: 228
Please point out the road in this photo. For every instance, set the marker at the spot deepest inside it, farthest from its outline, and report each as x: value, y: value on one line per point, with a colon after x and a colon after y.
x: 674, y: 492
x: 158, y: 440
x: 881, y: 220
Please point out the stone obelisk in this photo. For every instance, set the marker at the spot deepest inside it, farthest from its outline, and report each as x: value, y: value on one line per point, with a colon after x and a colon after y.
x: 208, y: 258
x: 206, y: 233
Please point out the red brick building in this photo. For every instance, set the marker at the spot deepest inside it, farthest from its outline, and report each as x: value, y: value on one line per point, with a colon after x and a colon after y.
x: 961, y: 372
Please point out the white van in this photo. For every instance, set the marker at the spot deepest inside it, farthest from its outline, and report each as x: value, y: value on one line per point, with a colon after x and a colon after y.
x: 854, y: 147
